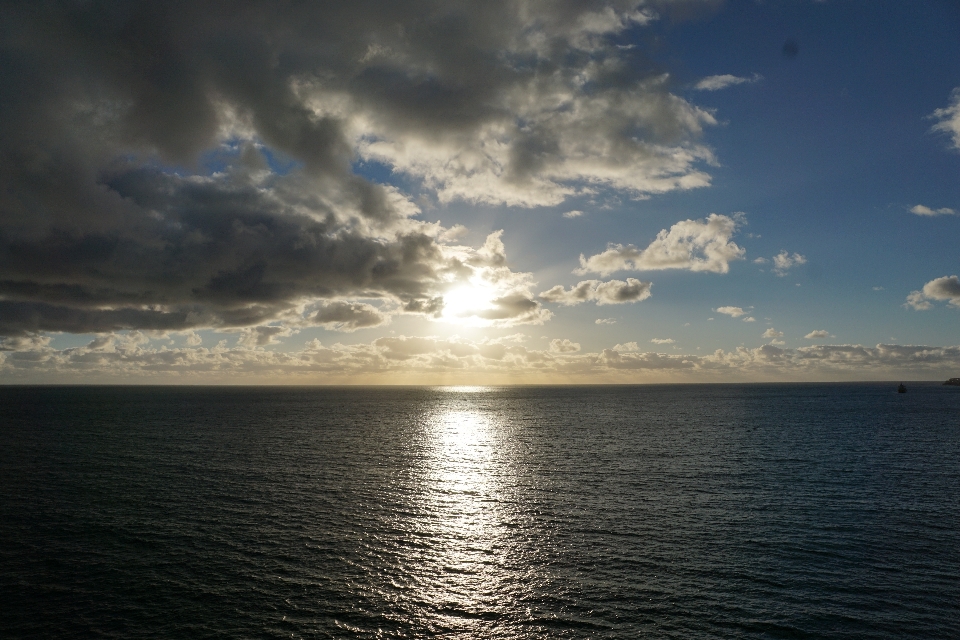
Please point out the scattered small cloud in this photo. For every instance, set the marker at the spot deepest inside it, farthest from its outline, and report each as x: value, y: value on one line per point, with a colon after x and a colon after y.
x: 946, y: 289
x: 878, y: 288
x: 715, y: 83
x: 749, y: 319
x: 733, y: 312
x: 783, y: 262
x: 605, y: 321
x: 949, y: 119
x: 627, y: 347
x: 576, y: 213
x: 921, y: 210
x: 772, y: 333
x: 662, y: 340
x: 819, y: 334
x: 760, y: 260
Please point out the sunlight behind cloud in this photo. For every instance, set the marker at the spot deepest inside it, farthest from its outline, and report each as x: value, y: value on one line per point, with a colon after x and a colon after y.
x: 466, y: 304
x: 232, y: 202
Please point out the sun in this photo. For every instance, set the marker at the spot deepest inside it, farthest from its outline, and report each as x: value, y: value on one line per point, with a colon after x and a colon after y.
x: 465, y: 304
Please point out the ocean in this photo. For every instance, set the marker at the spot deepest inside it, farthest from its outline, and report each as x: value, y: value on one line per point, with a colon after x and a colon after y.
x: 660, y: 511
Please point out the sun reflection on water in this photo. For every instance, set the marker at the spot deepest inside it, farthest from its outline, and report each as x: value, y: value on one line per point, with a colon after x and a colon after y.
x: 462, y: 467
x: 465, y: 389
x: 463, y: 572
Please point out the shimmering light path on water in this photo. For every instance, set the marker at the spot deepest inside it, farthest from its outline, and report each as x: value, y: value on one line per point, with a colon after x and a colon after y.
x: 736, y: 511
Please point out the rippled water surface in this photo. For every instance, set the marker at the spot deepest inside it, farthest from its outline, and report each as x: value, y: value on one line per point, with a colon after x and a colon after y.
x: 733, y: 511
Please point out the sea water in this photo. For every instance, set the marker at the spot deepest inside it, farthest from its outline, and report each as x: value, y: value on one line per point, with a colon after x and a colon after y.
x: 673, y: 511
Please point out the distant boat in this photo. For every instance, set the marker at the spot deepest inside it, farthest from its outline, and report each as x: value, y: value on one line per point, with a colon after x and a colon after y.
x: 901, y: 388
x: 954, y: 382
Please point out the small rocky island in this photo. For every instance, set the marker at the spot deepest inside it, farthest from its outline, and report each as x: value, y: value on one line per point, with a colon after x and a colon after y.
x: 954, y: 382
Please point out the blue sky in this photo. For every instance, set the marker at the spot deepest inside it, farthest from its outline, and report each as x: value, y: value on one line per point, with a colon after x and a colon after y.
x: 809, y: 130
x: 825, y: 154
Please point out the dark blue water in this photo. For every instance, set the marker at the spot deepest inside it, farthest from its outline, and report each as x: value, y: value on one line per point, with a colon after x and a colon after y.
x: 731, y: 511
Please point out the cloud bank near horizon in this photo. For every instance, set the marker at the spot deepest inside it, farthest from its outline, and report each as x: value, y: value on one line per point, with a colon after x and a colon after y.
x: 134, y: 355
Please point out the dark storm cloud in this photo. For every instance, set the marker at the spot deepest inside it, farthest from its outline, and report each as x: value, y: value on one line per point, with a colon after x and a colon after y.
x: 201, y: 253
x: 111, y: 216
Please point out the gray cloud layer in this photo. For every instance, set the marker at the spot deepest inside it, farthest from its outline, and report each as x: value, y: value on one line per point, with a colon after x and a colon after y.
x: 610, y: 292
x: 175, y: 165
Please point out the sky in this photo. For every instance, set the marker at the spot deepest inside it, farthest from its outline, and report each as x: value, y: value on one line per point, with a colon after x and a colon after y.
x: 497, y: 192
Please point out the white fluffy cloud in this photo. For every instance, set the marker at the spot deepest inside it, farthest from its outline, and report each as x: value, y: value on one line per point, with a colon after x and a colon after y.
x: 662, y: 340
x: 714, y: 83
x: 949, y: 119
x: 772, y: 333
x: 610, y: 292
x: 783, y: 262
x: 921, y: 210
x: 946, y: 289
x: 696, y: 245
x: 733, y: 312
x: 818, y: 334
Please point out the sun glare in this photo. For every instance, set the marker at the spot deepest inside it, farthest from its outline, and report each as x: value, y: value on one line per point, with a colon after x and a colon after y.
x: 465, y: 304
